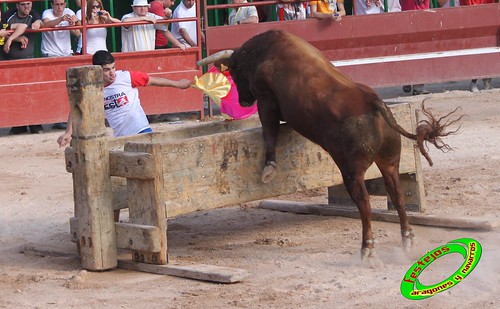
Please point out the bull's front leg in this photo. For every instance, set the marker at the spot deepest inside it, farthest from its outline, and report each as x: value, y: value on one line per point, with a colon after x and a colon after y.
x: 270, y: 131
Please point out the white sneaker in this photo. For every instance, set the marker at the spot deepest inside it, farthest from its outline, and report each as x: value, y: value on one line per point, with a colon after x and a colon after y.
x: 473, y: 87
x: 487, y: 83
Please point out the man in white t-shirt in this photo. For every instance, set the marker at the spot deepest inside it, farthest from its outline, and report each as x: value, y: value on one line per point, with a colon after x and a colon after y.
x: 243, y: 15
x: 122, y: 105
x: 142, y: 37
x: 121, y: 97
x: 186, y: 32
x: 58, y: 43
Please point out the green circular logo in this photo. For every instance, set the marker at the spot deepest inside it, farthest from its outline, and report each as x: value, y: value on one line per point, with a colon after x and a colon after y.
x: 469, y: 248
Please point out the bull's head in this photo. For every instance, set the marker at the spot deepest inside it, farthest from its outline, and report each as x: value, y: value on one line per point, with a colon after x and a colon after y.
x: 228, y: 60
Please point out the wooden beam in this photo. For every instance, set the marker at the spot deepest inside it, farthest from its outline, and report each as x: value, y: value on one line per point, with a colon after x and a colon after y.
x: 381, y: 215
x: 146, y: 203
x: 128, y: 236
x: 131, y: 165
x: 198, y: 271
x: 138, y: 237
x: 121, y: 163
x: 225, y: 169
x: 91, y: 180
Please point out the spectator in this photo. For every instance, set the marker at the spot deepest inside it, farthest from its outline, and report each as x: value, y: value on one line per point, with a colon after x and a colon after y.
x: 291, y: 10
x: 7, y: 38
x: 58, y: 43
x: 79, y: 18
x: 475, y: 2
x: 23, y: 47
x: 121, y: 86
x: 364, y: 7
x: 96, y: 37
x: 243, y: 14
x: 393, y: 6
x: 265, y: 12
x: 186, y: 32
x: 486, y: 81
x: 328, y: 9
x: 142, y: 37
x: 161, y: 8
x: 409, y: 5
x: 376, y: 6
x: 448, y: 3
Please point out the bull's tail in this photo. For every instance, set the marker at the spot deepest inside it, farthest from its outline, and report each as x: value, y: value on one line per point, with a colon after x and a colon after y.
x: 429, y: 130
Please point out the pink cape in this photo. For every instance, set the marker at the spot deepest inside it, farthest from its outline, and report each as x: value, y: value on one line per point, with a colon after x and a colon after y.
x: 230, y: 104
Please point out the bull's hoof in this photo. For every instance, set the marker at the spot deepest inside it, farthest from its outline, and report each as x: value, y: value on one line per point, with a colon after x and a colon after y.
x: 269, y: 173
x: 408, y: 241
x: 370, y: 257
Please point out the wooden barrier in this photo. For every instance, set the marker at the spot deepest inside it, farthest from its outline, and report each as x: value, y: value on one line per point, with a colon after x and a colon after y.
x: 393, y: 49
x: 40, y: 97
x: 380, y: 50
x: 182, y: 171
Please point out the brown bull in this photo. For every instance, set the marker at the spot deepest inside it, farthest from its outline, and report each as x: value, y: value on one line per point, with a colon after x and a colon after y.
x: 294, y: 82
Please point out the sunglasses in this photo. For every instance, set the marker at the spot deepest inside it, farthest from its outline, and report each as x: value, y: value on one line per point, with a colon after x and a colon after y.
x: 96, y: 6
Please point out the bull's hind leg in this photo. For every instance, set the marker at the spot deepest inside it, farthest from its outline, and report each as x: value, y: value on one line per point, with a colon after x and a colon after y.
x: 355, y: 185
x: 390, y: 172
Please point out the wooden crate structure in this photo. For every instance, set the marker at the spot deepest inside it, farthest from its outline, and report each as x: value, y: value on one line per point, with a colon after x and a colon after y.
x: 177, y: 172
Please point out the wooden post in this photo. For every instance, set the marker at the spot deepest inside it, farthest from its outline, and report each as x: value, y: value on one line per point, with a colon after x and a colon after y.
x: 146, y: 202
x: 91, y: 177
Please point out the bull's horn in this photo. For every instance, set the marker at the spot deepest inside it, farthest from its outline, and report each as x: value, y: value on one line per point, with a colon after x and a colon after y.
x: 217, y: 56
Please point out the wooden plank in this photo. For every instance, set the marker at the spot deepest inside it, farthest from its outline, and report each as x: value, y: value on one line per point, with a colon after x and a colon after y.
x: 132, y: 165
x: 91, y: 179
x: 181, y: 132
x: 146, y: 203
x: 381, y: 215
x: 121, y: 164
x: 128, y: 236
x: 116, y: 144
x: 225, y: 169
x: 198, y: 271
x: 138, y: 237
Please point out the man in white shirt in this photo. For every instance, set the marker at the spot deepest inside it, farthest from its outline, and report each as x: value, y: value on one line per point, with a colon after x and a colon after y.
x: 243, y: 15
x: 142, y: 37
x: 186, y: 32
x: 122, y: 105
x: 58, y: 43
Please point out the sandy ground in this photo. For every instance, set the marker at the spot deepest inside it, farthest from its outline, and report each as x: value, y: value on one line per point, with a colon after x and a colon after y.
x: 295, y: 261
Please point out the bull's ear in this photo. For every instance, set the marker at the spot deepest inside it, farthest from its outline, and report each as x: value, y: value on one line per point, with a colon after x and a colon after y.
x: 223, y: 68
x: 221, y: 65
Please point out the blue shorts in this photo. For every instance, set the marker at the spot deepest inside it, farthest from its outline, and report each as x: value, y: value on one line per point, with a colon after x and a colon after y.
x: 147, y: 130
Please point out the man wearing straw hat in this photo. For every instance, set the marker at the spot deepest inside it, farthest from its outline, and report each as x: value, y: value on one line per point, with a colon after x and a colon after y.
x: 142, y: 37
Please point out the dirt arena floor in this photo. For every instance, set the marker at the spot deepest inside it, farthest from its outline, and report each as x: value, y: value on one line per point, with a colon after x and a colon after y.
x: 295, y: 261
